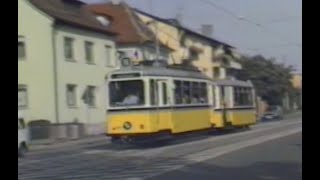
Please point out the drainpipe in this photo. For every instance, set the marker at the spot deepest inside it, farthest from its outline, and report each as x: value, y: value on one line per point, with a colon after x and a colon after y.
x: 55, y: 74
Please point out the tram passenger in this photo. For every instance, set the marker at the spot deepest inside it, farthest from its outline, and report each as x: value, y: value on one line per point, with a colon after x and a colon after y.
x: 202, y: 100
x: 185, y: 99
x: 131, y: 99
x: 195, y: 99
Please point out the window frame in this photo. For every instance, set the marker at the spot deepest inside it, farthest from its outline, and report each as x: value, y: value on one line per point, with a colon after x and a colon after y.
x: 72, y: 54
x: 94, y: 95
x: 145, y: 94
x: 89, y: 52
x: 22, y: 41
x: 200, y: 89
x: 109, y: 62
x: 74, y: 94
x: 23, y: 86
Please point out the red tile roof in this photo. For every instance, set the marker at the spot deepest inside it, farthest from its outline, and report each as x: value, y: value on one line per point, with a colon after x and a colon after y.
x: 71, y: 12
x: 130, y: 29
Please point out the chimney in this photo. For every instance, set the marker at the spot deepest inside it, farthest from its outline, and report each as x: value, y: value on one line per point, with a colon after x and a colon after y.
x: 179, y: 17
x: 207, y: 30
x: 115, y: 2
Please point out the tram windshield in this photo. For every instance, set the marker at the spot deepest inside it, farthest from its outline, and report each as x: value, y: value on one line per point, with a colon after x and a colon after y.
x: 126, y: 93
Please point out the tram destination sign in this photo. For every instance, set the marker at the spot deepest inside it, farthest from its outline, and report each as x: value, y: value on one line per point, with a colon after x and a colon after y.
x: 129, y: 75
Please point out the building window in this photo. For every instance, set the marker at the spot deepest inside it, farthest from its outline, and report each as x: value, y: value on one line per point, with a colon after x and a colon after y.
x: 109, y: 60
x: 68, y: 48
x: 216, y: 72
x: 193, y: 55
x: 22, y: 96
x: 21, y: 50
x: 71, y: 95
x: 90, y: 96
x: 89, y: 52
x: 194, y: 52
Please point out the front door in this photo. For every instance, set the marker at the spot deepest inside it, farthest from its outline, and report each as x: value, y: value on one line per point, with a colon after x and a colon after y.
x: 163, y: 104
x: 224, y: 107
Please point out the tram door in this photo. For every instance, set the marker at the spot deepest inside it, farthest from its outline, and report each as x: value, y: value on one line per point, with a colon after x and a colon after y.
x: 224, y: 105
x: 163, y: 104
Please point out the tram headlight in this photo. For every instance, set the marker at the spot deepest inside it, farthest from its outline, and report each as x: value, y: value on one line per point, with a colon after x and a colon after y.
x: 127, y: 125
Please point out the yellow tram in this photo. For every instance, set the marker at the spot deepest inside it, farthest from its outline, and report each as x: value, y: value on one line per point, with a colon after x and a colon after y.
x: 148, y: 101
x: 235, y: 104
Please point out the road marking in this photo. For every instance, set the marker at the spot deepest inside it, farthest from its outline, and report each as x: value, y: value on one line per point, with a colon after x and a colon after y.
x: 95, y: 151
x: 215, y: 152
x: 219, y: 151
x: 154, y: 152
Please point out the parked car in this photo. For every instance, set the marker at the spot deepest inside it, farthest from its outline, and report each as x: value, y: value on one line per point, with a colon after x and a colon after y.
x: 23, y: 136
x: 273, y: 113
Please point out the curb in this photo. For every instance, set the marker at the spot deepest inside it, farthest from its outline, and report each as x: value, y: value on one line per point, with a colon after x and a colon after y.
x: 293, y: 113
x: 52, y: 144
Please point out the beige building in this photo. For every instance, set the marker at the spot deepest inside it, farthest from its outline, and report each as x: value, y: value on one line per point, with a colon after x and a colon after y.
x: 65, y: 53
x: 297, y: 84
x: 212, y: 57
x: 297, y: 80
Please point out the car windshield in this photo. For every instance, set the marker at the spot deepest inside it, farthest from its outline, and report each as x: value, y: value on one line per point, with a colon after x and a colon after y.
x: 126, y: 93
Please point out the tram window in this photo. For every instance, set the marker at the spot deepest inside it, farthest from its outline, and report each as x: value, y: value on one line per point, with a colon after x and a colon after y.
x: 178, y: 92
x: 195, y: 90
x: 250, y: 96
x: 214, y: 96
x: 186, y: 96
x: 126, y: 93
x: 164, y: 93
x: 203, y: 93
x: 243, y: 96
x: 236, y: 96
x: 153, y: 93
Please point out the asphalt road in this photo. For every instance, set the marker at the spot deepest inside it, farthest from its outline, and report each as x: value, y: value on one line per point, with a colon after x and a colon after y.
x: 279, y: 159
x: 267, y: 151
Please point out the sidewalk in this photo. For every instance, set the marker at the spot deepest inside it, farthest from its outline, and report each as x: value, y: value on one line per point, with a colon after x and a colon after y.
x: 53, y: 144
x: 293, y: 114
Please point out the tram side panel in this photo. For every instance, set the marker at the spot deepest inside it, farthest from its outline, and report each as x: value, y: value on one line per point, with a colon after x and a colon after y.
x: 217, y: 119
x: 194, y: 113
x: 242, y: 117
x: 190, y: 119
x: 242, y: 111
x: 133, y: 122
x: 229, y: 107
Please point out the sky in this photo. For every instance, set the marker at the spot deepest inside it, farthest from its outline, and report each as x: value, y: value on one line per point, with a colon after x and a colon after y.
x: 272, y: 28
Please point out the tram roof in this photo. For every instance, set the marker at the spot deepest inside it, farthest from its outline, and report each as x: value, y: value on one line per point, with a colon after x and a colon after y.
x: 229, y: 82
x: 162, y: 72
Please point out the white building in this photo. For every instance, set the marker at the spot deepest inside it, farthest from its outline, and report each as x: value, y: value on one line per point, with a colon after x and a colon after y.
x: 64, y: 56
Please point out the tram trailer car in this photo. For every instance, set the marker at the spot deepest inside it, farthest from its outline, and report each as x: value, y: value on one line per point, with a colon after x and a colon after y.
x: 235, y: 104
x: 164, y: 101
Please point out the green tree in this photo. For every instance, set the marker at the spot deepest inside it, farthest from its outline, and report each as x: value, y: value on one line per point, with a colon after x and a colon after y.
x: 271, y: 79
